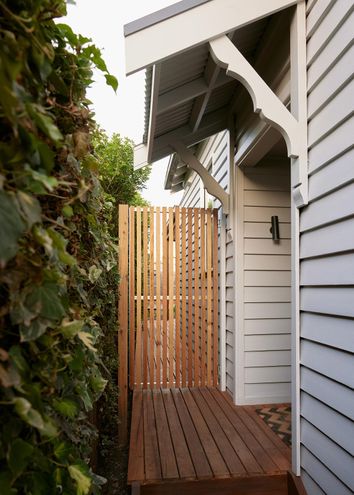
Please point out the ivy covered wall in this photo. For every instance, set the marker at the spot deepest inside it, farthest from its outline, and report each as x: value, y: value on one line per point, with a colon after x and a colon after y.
x: 58, y: 273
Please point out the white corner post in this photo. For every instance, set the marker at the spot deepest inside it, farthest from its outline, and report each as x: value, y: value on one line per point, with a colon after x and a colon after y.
x: 224, y: 238
x: 299, y: 186
x: 222, y: 297
x: 210, y: 184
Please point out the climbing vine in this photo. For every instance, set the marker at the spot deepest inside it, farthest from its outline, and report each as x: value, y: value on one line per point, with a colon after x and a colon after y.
x: 57, y: 257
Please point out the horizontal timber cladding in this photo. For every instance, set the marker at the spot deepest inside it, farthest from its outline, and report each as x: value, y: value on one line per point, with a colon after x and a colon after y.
x: 327, y: 255
x: 265, y: 283
x: 214, y: 155
x: 173, y: 297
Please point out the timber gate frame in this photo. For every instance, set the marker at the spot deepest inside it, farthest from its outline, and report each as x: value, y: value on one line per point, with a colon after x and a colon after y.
x: 168, y: 300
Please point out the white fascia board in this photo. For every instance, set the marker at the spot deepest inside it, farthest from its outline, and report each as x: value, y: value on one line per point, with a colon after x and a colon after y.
x: 155, y: 84
x: 194, y: 27
x: 140, y: 156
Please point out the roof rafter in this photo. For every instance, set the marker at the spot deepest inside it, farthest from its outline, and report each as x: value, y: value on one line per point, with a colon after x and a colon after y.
x: 177, y: 96
x: 211, y: 74
x: 211, y: 124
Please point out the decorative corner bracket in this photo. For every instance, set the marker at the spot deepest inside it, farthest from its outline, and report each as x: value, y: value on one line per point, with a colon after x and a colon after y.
x: 210, y: 184
x: 293, y: 128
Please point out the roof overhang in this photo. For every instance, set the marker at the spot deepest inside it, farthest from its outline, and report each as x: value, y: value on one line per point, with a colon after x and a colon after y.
x: 192, y: 24
x: 192, y: 72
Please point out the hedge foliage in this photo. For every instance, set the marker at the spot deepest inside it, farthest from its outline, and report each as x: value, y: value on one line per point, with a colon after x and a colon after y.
x: 57, y: 257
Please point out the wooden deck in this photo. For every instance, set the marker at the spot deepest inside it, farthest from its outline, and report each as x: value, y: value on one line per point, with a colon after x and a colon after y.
x: 196, y: 440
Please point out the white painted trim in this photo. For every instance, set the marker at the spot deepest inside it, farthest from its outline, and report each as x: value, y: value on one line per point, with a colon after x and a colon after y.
x: 210, y: 184
x: 155, y: 84
x: 299, y: 197
x: 178, y: 33
x: 222, y: 330
x: 295, y: 337
x: 140, y: 156
x: 266, y: 103
x: 239, y: 351
x: 261, y: 141
x: 277, y: 399
x: 298, y: 99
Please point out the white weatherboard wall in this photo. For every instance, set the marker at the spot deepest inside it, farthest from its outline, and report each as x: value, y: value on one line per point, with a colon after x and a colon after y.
x: 263, y: 317
x: 327, y: 255
x: 215, y: 151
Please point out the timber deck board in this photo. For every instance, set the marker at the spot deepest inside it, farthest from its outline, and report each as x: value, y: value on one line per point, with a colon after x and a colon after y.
x: 183, y: 435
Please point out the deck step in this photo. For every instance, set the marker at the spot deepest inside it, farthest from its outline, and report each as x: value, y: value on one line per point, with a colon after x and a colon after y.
x: 288, y: 484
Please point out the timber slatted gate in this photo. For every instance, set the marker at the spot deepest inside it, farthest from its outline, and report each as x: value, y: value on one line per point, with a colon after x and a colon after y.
x: 168, y: 304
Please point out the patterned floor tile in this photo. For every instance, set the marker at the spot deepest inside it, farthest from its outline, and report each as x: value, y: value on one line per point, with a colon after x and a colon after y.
x: 278, y: 418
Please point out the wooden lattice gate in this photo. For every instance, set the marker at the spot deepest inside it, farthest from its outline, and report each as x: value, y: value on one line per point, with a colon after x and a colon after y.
x: 168, y: 303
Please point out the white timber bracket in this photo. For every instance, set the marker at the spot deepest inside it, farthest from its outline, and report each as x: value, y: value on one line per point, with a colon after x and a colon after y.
x: 293, y: 128
x: 210, y: 184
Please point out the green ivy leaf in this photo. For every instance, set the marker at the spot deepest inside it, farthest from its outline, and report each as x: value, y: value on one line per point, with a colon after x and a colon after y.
x: 26, y: 412
x: 85, y: 396
x: 5, y: 484
x: 45, y: 122
x: 112, y: 81
x: 47, y: 156
x: 77, y: 360
x: 34, y: 330
x: 62, y: 451
x: 94, y: 273
x: 49, y: 428
x: 19, y: 361
x: 47, y: 301
x: 67, y: 211
x: 98, y: 383
x: 42, y: 237
x: 81, y: 477
x: 68, y: 33
x: 9, y: 376
x: 11, y: 227
x: 19, y: 456
x: 30, y: 208
x: 71, y: 328
x: 50, y: 183
x: 66, y: 407
x: 66, y: 258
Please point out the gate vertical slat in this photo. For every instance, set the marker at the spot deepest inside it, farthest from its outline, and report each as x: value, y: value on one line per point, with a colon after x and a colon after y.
x: 164, y: 297
x: 215, y: 299
x: 139, y: 341
x: 152, y: 298
x: 196, y: 367
x: 171, y: 345
x: 209, y: 296
x: 123, y: 307
x: 145, y: 296
x: 177, y: 295
x: 131, y: 294
x: 184, y: 294
x: 203, y: 301
x: 158, y: 297
x: 190, y: 297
